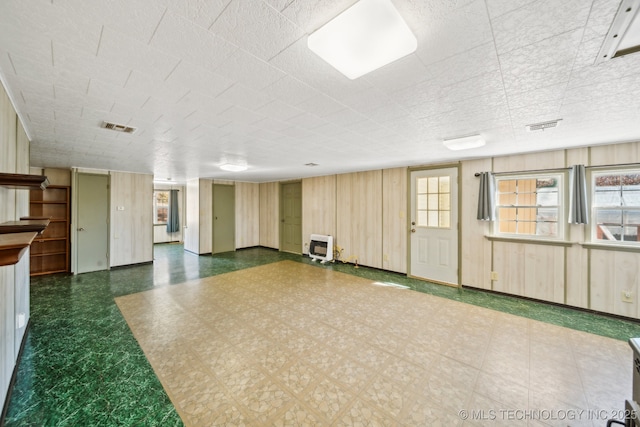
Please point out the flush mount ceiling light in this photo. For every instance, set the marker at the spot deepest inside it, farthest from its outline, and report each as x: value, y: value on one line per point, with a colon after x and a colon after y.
x: 363, y: 38
x: 623, y: 37
x: 230, y: 167
x: 464, y: 142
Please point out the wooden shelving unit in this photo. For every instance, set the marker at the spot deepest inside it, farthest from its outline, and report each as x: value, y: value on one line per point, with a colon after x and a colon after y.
x: 50, y: 250
x: 13, y: 245
x: 23, y: 182
x: 24, y: 225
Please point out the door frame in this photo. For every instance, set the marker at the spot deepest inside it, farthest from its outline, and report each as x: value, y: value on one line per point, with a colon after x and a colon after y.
x: 458, y: 166
x: 73, y: 235
x: 281, y: 215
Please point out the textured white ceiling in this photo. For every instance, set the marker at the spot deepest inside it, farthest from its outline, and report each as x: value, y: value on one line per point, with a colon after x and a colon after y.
x: 214, y: 81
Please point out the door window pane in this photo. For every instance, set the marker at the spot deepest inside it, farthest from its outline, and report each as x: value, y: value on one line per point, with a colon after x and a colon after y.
x: 433, y: 202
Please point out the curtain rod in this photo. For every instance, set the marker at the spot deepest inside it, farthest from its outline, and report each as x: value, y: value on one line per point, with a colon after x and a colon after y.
x: 477, y: 174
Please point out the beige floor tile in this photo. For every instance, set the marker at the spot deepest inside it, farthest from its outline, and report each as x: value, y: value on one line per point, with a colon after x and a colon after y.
x: 288, y: 344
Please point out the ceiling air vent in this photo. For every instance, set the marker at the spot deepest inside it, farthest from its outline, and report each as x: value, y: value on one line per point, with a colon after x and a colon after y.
x: 311, y: 164
x: 543, y: 125
x: 118, y: 128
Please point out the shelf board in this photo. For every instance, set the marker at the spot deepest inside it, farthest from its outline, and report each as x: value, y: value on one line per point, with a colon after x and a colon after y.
x: 13, y: 246
x: 49, y: 239
x: 47, y: 202
x: 48, y: 254
x: 23, y: 181
x: 37, y: 225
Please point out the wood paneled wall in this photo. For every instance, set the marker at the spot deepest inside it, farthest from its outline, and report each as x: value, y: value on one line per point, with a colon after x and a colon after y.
x: 394, y: 219
x: 131, y: 223
x: 359, y: 217
x: 247, y: 214
x: 14, y: 279
x: 318, y: 208
x: 205, y: 222
x: 574, y: 275
x: 192, y: 217
x: 270, y: 214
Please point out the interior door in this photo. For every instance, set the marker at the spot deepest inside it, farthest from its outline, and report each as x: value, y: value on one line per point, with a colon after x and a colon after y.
x: 434, y: 225
x: 224, y: 218
x: 93, y: 223
x: 291, y: 217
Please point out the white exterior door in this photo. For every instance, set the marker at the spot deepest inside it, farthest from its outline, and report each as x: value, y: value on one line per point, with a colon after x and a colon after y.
x: 434, y: 225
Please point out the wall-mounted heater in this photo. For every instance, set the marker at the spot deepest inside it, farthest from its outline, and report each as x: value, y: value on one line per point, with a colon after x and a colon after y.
x: 321, y: 247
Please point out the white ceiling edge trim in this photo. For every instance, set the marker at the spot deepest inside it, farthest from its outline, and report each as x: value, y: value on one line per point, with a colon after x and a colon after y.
x: 12, y: 100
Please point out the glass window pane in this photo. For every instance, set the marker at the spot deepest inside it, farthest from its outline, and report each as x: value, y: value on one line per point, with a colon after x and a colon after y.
x: 444, y: 219
x: 422, y: 185
x: 549, y: 229
x: 433, y: 218
x: 526, y: 214
x: 526, y: 199
x: 433, y: 184
x: 630, y: 234
x: 507, y: 199
x: 507, y: 214
x: 631, y: 217
x: 443, y: 202
x: 507, y: 226
x: 608, y: 232
x: 433, y: 201
x: 630, y: 181
x: 631, y: 197
x: 444, y: 184
x: 607, y: 198
x: 607, y: 181
x: 422, y: 201
x: 507, y: 185
x: 526, y: 227
x: 547, y: 214
x: 547, y: 197
x: 422, y: 219
x: 613, y: 217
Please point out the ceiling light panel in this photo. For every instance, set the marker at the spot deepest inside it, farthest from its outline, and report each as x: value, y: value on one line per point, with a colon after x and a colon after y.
x: 464, y: 142
x: 363, y: 38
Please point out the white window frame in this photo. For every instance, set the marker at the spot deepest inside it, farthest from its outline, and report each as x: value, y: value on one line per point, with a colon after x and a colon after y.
x: 562, y: 178
x: 593, y: 229
x: 155, y: 207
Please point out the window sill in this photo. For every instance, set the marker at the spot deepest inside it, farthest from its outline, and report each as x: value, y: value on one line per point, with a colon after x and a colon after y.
x: 609, y: 247
x: 530, y: 241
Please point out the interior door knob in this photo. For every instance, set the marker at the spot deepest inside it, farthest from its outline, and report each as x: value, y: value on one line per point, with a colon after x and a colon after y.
x: 413, y: 230
x: 80, y: 229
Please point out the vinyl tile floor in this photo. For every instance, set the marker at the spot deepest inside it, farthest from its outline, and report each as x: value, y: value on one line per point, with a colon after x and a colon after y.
x: 259, y: 337
x: 287, y: 344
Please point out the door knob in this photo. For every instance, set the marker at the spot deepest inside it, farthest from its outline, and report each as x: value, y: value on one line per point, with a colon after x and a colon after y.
x: 80, y: 229
x: 413, y: 223
x: 413, y: 230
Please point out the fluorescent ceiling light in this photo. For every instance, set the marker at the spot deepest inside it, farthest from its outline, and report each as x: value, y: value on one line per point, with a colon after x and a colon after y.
x: 623, y: 37
x: 229, y: 167
x: 464, y: 142
x: 363, y: 38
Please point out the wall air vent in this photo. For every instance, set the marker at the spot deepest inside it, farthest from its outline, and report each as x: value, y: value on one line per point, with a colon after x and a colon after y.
x: 118, y: 128
x: 543, y: 125
x: 311, y: 164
